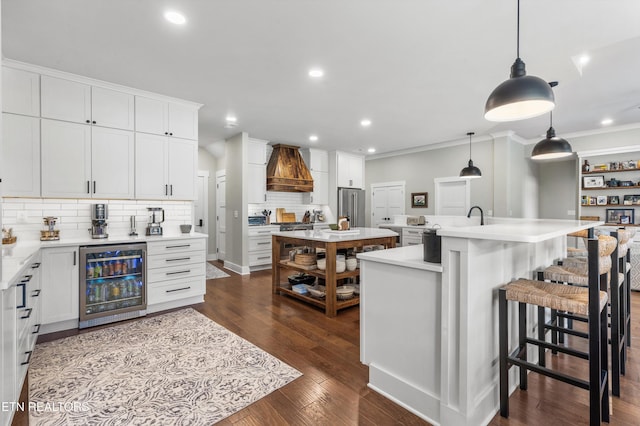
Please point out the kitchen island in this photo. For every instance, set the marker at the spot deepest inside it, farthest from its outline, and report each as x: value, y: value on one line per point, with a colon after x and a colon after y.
x: 429, y: 332
x: 330, y: 242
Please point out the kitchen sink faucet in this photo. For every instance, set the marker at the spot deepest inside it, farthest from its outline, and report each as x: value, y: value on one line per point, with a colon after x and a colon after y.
x: 481, y: 214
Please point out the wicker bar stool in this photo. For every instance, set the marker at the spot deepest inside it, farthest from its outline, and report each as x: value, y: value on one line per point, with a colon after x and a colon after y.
x: 590, y: 302
x: 574, y: 271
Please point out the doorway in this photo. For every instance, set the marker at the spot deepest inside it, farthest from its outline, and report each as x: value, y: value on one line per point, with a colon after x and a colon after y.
x: 453, y: 196
x: 387, y: 200
x: 221, y: 227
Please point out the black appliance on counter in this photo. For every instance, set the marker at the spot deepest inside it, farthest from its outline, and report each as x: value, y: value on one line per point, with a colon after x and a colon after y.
x: 432, y: 244
x: 294, y: 226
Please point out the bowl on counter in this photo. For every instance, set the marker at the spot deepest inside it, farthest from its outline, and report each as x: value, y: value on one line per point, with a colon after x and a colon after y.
x: 185, y: 229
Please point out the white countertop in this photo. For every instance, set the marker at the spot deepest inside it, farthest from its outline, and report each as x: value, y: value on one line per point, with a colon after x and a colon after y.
x: 519, y: 230
x: 409, y: 256
x: 324, y: 235
x: 16, y: 256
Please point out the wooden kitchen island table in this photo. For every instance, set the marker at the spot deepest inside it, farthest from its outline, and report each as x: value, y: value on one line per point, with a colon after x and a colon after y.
x: 331, y: 242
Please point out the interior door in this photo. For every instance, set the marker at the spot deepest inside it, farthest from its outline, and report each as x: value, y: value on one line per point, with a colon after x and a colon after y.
x: 200, y: 206
x: 221, y: 227
x: 379, y: 206
x: 452, y: 196
x: 387, y: 200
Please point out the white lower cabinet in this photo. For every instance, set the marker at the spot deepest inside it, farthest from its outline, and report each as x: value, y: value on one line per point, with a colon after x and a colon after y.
x: 176, y: 269
x: 260, y: 244
x: 411, y: 237
x: 60, y: 285
x: 20, y: 325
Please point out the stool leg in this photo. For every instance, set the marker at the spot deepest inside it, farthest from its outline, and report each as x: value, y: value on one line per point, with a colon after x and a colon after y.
x: 541, y: 335
x: 597, y: 338
x: 555, y: 320
x: 604, y: 365
x: 522, y: 342
x: 627, y: 320
x: 503, y: 348
x: 615, y: 336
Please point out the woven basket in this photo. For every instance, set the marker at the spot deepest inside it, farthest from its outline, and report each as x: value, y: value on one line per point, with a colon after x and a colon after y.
x: 305, y: 258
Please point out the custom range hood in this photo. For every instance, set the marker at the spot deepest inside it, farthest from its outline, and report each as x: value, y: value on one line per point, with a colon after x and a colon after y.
x: 287, y: 172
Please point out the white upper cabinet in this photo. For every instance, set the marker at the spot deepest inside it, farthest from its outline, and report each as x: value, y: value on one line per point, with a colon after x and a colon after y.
x: 110, y: 108
x: 165, y: 168
x: 165, y: 118
x: 350, y: 170
x: 256, y: 151
x: 65, y: 100
x: 256, y: 171
x: 66, y: 159
x: 20, y: 155
x: 20, y: 92
x: 112, y: 163
x: 317, y: 160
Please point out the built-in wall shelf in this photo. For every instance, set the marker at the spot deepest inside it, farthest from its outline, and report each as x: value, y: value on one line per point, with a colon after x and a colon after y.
x: 598, y: 172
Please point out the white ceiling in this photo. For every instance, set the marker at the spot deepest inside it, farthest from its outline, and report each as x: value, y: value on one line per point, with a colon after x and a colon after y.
x: 421, y: 70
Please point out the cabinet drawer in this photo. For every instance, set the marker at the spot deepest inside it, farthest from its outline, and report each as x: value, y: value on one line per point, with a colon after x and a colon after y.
x: 175, y: 259
x: 260, y: 258
x: 175, y: 246
x: 408, y: 233
x: 176, y: 272
x: 411, y: 241
x: 259, y: 243
x: 255, y: 231
x: 174, y: 290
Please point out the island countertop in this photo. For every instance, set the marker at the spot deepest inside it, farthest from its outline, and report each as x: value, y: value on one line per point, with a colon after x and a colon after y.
x: 409, y: 256
x: 519, y: 230
x: 354, y: 234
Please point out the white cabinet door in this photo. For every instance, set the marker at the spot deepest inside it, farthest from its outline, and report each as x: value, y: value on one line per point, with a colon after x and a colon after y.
x: 183, y: 167
x: 8, y: 350
x: 320, y: 194
x: 110, y: 108
x: 151, y: 170
x: 65, y: 100
x: 112, y: 163
x: 21, y: 92
x: 350, y: 170
x: 21, y: 155
x: 257, y: 183
x: 318, y: 160
x: 60, y: 285
x: 151, y: 116
x: 183, y: 121
x: 66, y: 159
x: 256, y: 151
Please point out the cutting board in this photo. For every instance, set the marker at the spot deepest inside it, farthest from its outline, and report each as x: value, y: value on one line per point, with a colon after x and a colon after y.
x: 288, y: 217
x: 279, y: 212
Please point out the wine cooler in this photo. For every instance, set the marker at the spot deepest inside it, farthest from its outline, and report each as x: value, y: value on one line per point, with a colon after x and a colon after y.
x: 112, y: 283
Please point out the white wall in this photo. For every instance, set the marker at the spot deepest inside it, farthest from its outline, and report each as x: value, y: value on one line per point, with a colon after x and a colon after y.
x: 208, y: 162
x: 236, y: 199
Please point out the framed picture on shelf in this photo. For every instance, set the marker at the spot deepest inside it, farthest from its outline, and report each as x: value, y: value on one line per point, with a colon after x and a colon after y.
x: 592, y: 201
x: 593, y: 181
x: 631, y: 200
x: 620, y: 216
x: 419, y: 199
x: 601, y: 200
x: 613, y: 200
x: 584, y: 201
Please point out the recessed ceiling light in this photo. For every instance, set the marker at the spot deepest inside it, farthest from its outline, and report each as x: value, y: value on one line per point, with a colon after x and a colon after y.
x: 371, y: 150
x: 584, y: 59
x: 606, y: 121
x: 313, y: 138
x: 175, y: 17
x: 231, y: 120
x: 316, y: 73
x: 365, y: 123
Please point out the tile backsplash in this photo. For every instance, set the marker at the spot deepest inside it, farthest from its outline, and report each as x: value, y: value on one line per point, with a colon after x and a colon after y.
x: 293, y: 202
x: 25, y: 215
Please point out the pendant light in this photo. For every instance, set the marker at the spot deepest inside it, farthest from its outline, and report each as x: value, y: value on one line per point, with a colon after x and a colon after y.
x: 552, y: 146
x: 471, y: 171
x: 522, y: 96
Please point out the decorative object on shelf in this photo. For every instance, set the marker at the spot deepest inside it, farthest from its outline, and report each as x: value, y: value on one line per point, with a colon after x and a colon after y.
x: 551, y: 147
x: 620, y: 216
x: 613, y: 200
x: 8, y: 237
x: 626, y: 183
x: 469, y: 172
x: 584, y: 200
x: 50, y: 233
x: 521, y: 96
x: 419, y: 199
x: 593, y: 181
x: 601, y: 200
x: 592, y: 201
x: 613, y: 182
x: 586, y: 167
x: 631, y: 200
x: 600, y: 167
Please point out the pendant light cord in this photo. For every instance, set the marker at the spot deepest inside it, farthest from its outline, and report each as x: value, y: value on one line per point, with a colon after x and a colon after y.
x: 470, y: 134
x: 518, y: 32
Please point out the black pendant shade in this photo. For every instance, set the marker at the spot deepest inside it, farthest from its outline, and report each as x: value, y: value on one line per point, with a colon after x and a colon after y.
x: 522, y: 96
x: 471, y: 171
x: 551, y: 147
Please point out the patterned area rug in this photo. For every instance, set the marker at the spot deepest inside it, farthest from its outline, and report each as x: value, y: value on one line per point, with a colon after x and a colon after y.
x: 213, y: 272
x: 180, y: 368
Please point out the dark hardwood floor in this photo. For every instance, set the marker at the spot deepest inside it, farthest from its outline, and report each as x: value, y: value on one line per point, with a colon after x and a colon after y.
x: 333, y: 389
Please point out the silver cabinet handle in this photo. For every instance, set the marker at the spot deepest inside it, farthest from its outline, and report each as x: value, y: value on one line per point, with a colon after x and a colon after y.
x: 177, y: 259
x: 263, y: 243
x: 264, y: 257
x: 179, y: 272
x: 180, y: 246
x: 178, y: 289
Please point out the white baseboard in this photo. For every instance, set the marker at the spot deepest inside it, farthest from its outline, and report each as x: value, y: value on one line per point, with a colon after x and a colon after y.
x: 242, y: 270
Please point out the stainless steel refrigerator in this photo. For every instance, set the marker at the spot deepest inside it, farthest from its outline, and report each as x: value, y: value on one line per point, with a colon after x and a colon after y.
x: 351, y: 203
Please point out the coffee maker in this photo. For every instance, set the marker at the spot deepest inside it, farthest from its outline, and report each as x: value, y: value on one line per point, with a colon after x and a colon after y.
x: 99, y: 216
x: 156, y: 217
